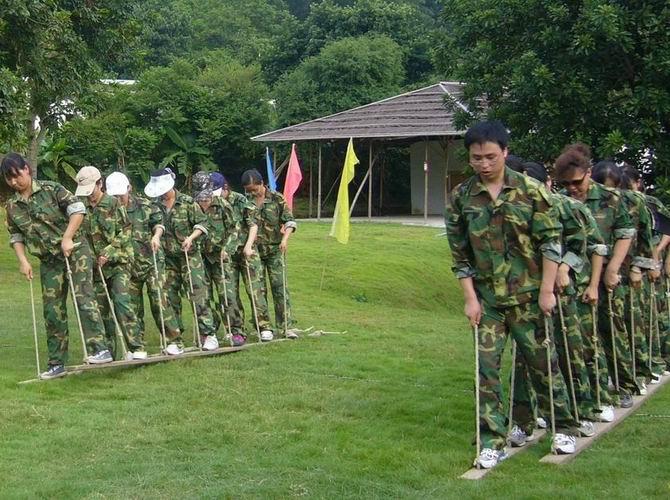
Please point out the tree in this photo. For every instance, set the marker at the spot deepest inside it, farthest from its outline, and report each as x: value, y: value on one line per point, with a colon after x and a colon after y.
x: 559, y: 71
x: 55, y: 49
x: 346, y: 73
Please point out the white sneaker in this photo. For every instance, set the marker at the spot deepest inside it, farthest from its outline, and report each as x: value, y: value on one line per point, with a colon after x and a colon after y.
x: 643, y: 389
x: 140, y: 355
x: 267, y: 336
x: 100, y: 358
x: 489, y: 458
x: 517, y: 437
x: 292, y: 334
x: 655, y: 379
x: 211, y: 343
x: 666, y: 373
x: 174, y: 350
x: 586, y: 428
x: 607, y: 413
x: 563, y: 444
x: 541, y: 423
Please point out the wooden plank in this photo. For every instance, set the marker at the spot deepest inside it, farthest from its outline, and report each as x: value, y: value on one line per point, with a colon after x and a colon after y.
x: 603, y: 428
x: 475, y: 474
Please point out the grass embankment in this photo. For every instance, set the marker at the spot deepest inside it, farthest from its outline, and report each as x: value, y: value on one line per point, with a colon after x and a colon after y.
x: 383, y: 411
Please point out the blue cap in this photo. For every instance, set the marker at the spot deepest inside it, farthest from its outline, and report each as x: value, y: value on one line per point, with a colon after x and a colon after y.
x: 218, y: 180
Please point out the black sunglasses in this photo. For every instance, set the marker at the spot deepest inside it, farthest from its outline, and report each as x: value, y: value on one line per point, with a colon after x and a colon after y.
x: 574, y: 182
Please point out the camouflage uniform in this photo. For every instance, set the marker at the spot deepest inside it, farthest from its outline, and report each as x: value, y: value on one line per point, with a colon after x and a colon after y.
x: 274, y: 217
x: 39, y: 223
x: 500, y: 245
x: 662, y: 288
x: 109, y: 233
x: 180, y: 221
x: 145, y: 217
x: 221, y: 238
x: 243, y: 217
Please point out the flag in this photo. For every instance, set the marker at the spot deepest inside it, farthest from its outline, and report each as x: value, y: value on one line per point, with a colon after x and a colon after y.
x: 340, y: 227
x: 272, y: 182
x: 293, y: 178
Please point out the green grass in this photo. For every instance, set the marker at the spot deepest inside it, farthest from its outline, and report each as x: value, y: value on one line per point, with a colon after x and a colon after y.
x: 384, y: 411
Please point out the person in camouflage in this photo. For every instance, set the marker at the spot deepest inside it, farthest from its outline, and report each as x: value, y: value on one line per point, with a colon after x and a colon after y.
x: 108, y: 231
x: 573, y: 169
x: 504, y: 236
x: 147, y: 224
x: 184, y: 223
x: 44, y: 218
x: 275, y: 225
x: 244, y: 261
x: 217, y: 245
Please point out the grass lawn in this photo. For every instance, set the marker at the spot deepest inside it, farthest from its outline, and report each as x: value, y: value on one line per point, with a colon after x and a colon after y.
x: 384, y: 411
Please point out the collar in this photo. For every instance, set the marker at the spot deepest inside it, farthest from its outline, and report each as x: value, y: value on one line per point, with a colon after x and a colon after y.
x: 511, y: 180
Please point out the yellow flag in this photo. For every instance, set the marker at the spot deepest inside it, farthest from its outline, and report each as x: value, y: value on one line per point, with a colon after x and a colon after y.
x: 340, y: 228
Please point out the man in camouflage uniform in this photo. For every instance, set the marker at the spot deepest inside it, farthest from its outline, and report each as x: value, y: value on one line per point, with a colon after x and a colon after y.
x: 146, y: 221
x: 184, y: 223
x: 275, y: 225
x: 573, y: 169
x: 504, y: 236
x: 43, y: 217
x: 109, y: 232
x: 243, y: 259
x: 216, y: 246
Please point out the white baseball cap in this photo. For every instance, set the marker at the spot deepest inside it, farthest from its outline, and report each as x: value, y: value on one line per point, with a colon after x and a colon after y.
x: 86, y: 180
x: 160, y: 183
x: 117, y: 184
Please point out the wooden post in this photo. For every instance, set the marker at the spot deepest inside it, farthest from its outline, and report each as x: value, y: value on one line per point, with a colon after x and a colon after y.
x: 311, y: 196
x: 381, y: 186
x: 370, y: 183
x: 425, y: 183
x: 318, y: 198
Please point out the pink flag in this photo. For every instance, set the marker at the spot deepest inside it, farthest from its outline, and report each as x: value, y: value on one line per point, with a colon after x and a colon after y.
x: 293, y: 178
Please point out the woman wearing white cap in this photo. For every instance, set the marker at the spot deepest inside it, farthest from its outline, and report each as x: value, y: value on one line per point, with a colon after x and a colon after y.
x: 184, y: 222
x: 147, y: 227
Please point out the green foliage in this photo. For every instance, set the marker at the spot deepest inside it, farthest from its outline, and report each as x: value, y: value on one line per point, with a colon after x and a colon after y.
x: 57, y: 164
x: 346, y: 73
x: 558, y: 71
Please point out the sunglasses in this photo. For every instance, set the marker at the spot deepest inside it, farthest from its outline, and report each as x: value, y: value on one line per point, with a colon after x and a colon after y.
x: 574, y: 182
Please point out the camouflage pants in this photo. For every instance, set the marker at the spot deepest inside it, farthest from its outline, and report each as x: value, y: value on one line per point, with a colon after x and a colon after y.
x: 55, y: 289
x: 273, y: 272
x: 635, y: 322
x: 157, y: 298
x: 651, y: 317
x: 597, y: 378
x: 616, y: 341
x: 235, y: 268
x: 526, y: 326
x: 177, y: 278
x: 664, y: 321
x: 117, y: 278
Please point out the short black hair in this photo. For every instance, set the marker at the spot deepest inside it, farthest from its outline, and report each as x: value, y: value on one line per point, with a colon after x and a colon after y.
x: 487, y: 131
x: 12, y: 165
x: 515, y: 162
x: 604, y: 170
x: 252, y: 176
x: 536, y: 171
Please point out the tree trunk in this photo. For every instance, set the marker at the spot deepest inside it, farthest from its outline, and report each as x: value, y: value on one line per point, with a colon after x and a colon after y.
x: 36, y: 135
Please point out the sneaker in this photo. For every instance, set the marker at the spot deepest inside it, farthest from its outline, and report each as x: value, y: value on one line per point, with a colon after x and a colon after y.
x: 292, y: 334
x: 239, y: 340
x: 606, y: 413
x: 174, y: 349
x: 140, y: 355
x: 54, y: 371
x: 586, y: 428
x: 626, y: 401
x: 489, y: 458
x: 100, y: 358
x: 563, y: 444
x: 643, y: 389
x: 655, y: 379
x: 665, y: 373
x: 267, y: 336
x: 211, y: 343
x: 541, y: 423
x: 517, y: 437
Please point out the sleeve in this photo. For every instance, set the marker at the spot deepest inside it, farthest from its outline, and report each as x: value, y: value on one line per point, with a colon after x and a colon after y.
x: 231, y: 230
x: 68, y: 202
x: 457, y: 234
x: 546, y: 227
x: 643, y: 258
x: 120, y: 247
x: 199, y: 218
x: 286, y: 217
x: 573, y: 236
x: 155, y: 218
x: 595, y: 243
x: 250, y: 213
x: 622, y: 228
x: 15, y: 234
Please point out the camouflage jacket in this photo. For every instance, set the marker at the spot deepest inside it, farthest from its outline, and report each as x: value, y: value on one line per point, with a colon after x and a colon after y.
x: 640, y: 251
x: 40, y: 221
x: 180, y: 221
x: 222, y: 235
x: 243, y: 217
x: 500, y: 244
x: 594, y: 241
x: 145, y: 217
x: 656, y: 205
x: 274, y: 217
x: 108, y: 230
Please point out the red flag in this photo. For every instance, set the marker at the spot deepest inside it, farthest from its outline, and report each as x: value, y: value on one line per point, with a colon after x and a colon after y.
x: 293, y: 178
